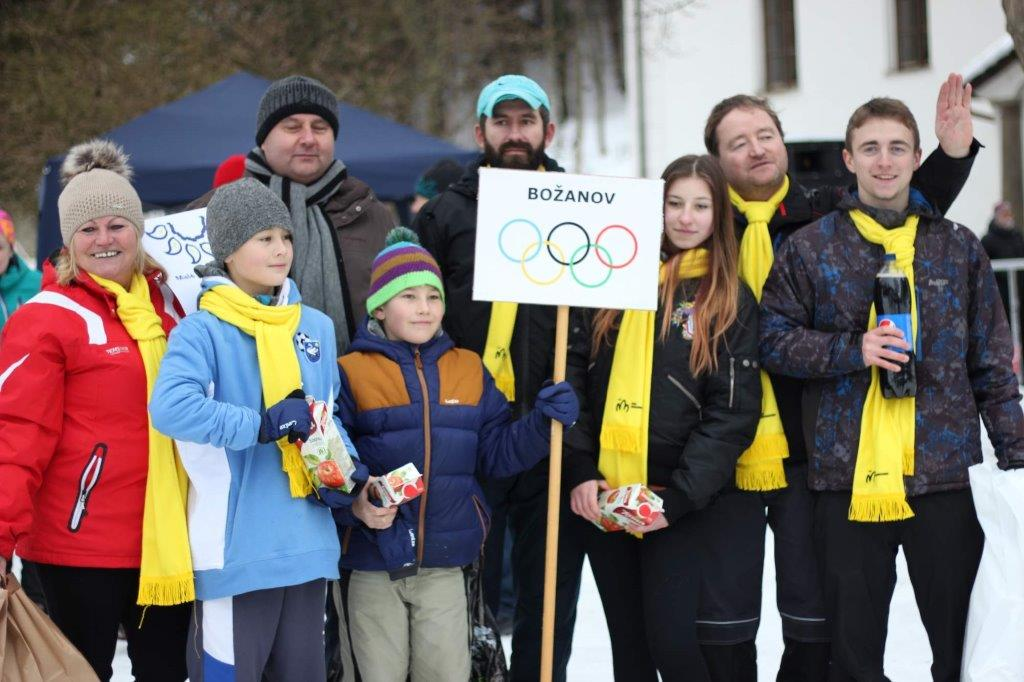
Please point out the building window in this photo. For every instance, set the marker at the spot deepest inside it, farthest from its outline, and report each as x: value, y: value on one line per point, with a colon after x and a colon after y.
x: 779, y: 44
x: 911, y: 34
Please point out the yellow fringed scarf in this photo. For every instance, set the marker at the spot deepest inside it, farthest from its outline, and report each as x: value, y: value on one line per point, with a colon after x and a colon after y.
x: 273, y: 327
x: 497, y: 349
x: 624, y: 427
x: 760, y: 467
x: 886, y: 450
x: 165, y: 575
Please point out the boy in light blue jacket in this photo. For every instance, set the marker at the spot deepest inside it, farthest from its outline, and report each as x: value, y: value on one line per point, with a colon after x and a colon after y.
x: 230, y: 390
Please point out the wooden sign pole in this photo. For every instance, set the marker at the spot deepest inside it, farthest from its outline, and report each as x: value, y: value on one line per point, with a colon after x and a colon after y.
x: 554, y: 505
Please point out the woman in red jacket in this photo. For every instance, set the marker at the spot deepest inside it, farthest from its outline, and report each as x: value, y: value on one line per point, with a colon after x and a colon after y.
x: 81, y: 469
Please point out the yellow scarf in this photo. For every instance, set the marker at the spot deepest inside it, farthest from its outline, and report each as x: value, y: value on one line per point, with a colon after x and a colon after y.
x: 760, y: 467
x: 624, y: 428
x: 273, y: 327
x: 886, y: 450
x: 165, y: 576
x: 497, y: 349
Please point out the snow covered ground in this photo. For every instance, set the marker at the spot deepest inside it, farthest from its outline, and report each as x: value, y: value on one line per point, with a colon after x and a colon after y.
x: 591, y: 652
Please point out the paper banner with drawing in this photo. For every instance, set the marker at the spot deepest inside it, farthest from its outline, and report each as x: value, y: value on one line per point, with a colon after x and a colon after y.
x: 178, y: 242
x: 561, y: 239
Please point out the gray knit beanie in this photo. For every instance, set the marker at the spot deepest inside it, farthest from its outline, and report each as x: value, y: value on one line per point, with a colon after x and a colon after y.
x: 97, y: 183
x: 239, y: 210
x: 295, y: 95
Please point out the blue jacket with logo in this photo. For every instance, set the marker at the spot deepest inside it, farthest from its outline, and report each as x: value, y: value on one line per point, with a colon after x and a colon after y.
x: 435, y: 406
x: 246, y: 531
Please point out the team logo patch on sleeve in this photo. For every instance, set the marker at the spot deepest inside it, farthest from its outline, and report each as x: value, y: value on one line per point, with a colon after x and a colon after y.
x: 309, y: 346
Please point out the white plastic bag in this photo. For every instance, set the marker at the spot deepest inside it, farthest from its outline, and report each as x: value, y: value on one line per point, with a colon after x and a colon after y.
x: 995, y: 621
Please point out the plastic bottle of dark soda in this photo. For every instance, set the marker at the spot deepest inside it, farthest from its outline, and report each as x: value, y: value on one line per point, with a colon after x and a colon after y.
x: 892, y: 308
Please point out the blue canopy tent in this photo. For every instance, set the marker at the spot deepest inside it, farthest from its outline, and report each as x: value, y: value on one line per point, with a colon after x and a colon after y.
x: 176, y: 148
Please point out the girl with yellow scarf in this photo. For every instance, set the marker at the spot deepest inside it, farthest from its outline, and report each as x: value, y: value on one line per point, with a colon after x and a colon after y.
x: 672, y: 399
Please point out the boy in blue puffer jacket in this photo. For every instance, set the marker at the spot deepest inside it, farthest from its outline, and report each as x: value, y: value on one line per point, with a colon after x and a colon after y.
x: 408, y: 395
x: 230, y: 390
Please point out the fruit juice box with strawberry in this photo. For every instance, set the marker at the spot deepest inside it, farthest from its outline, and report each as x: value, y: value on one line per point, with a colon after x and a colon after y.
x: 328, y: 462
x: 628, y: 508
x: 401, y: 485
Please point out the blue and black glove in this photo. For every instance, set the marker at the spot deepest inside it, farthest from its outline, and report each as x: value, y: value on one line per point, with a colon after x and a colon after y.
x: 558, y: 402
x: 288, y: 417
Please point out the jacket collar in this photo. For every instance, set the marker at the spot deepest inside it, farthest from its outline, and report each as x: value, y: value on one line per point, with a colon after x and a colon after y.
x: 469, y: 183
x: 370, y: 339
x: 888, y: 218
x: 797, y: 207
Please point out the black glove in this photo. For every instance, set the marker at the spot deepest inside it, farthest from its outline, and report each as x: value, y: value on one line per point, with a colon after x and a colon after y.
x: 337, y: 499
x: 289, y: 417
x: 558, y: 401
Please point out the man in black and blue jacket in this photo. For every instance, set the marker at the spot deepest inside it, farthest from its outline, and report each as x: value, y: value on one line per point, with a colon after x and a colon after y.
x: 746, y: 136
x: 817, y: 326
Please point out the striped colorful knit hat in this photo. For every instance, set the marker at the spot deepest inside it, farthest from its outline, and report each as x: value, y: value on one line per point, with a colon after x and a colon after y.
x: 402, y: 264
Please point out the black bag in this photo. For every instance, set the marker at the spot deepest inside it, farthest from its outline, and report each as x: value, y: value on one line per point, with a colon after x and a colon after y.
x: 487, y: 657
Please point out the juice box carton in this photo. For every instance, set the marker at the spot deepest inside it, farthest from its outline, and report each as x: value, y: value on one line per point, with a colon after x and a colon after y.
x: 401, y: 485
x: 328, y: 462
x: 628, y: 508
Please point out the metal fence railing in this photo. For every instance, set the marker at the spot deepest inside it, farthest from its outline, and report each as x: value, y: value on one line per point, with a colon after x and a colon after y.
x: 1012, y: 266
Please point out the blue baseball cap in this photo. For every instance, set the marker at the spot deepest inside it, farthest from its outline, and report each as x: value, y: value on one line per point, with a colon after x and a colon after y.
x: 511, y: 86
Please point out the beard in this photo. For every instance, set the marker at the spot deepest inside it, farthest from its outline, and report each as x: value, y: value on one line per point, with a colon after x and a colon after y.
x: 500, y: 158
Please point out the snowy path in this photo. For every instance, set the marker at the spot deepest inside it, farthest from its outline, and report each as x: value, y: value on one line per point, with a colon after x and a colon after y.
x: 591, y: 653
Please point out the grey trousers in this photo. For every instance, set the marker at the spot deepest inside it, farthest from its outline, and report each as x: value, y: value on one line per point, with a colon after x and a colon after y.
x: 261, y: 636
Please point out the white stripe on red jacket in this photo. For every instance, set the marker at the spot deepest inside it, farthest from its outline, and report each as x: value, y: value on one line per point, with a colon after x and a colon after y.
x: 74, y: 427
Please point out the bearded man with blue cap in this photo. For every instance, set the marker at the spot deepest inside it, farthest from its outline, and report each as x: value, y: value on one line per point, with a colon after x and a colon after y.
x: 513, y: 130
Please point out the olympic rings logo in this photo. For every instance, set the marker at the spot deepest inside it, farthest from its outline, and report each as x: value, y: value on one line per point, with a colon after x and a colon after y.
x: 569, y: 247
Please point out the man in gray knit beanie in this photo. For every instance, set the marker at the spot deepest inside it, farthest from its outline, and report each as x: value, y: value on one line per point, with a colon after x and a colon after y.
x: 337, y: 223
x: 295, y: 95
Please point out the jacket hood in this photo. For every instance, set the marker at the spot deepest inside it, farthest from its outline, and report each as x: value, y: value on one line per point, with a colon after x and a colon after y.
x: 286, y: 295
x: 469, y: 183
x: 370, y: 339
x: 886, y: 217
x: 17, y: 270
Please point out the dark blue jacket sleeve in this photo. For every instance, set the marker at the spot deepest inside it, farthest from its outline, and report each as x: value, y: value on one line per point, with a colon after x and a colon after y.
x: 508, y: 447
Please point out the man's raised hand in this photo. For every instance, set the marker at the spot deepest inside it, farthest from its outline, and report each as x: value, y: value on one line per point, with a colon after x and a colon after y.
x: 953, y: 125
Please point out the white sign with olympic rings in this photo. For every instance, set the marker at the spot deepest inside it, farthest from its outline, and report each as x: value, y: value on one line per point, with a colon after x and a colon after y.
x: 561, y: 239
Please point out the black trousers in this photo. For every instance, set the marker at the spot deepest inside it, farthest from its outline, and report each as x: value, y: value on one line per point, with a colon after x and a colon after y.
x: 730, y: 609
x: 649, y: 590
x: 522, y: 500
x: 942, y: 543
x: 88, y: 604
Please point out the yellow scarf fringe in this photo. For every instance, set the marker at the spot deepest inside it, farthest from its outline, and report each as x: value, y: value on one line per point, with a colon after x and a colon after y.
x: 165, y: 573
x: 885, y: 453
x: 273, y: 327
x: 760, y: 467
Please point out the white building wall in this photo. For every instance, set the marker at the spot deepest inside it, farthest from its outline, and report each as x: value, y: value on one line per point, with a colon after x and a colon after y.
x: 711, y: 49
